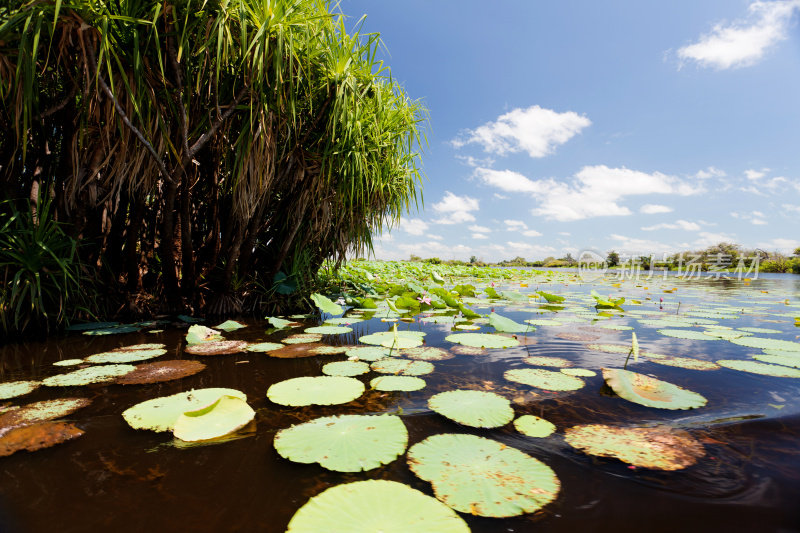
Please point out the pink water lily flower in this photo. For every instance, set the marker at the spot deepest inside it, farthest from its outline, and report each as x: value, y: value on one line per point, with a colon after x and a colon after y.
x: 424, y: 299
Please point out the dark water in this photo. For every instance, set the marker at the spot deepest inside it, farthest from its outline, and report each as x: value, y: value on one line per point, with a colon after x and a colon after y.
x: 115, y: 478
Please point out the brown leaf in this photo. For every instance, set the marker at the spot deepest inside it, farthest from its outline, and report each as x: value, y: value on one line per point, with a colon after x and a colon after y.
x: 161, y: 371
x: 37, y: 436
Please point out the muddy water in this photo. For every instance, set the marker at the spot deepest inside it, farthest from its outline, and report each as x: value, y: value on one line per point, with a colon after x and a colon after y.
x: 115, y: 478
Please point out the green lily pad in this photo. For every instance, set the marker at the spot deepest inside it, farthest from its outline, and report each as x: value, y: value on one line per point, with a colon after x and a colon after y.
x: 280, y: 323
x: 329, y: 330
x: 579, y: 372
x: 226, y: 415
x: 125, y: 356
x: 12, y: 389
x: 687, y: 362
x: 687, y: 334
x: 316, y: 390
x: 768, y: 344
x: 649, y: 391
x: 726, y: 334
x: 375, y: 505
x: 369, y: 353
x: 427, y: 353
x: 85, y: 376
x: 616, y: 327
x: 778, y: 359
x: 346, y: 321
x: 325, y: 349
x: 766, y: 331
x: 68, y: 362
x: 482, y: 340
x: 160, y: 414
x: 302, y: 338
x: 544, y: 322
x: 541, y: 360
x: 533, y: 426
x: 400, y: 343
x: 346, y: 443
x: 345, y: 368
x: 115, y: 330
x: 657, y: 448
x: 483, y: 477
x: 760, y: 368
x: 230, y: 325
x: 473, y: 408
x: 197, y: 334
x: 326, y: 305
x: 92, y: 325
x: 397, y: 383
x: 506, y: 325
x: 379, y: 339
x: 544, y: 379
x: 405, y: 367
x: 263, y: 347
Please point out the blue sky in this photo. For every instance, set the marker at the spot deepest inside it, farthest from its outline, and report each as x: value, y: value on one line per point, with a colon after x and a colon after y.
x: 559, y: 127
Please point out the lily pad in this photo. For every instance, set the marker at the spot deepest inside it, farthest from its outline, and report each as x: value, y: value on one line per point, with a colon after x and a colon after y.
x: 198, y: 334
x: 483, y: 477
x: 427, y: 353
x: 125, y: 356
x: 657, y: 448
x: 544, y: 379
x: 541, y: 360
x: 473, y: 408
x: 768, y: 344
x: 687, y: 362
x: 280, y: 323
x: 544, y: 322
x: 37, y: 436
x: 778, y: 359
x: 328, y: 330
x: 397, y: 383
x: 346, y: 321
x: 766, y: 331
x: 369, y: 353
x: 12, y: 389
x: 346, y: 443
x: 399, y: 343
x: 36, y: 412
x: 760, y: 368
x: 226, y: 415
x: 345, y: 368
x: 302, y: 338
x: 379, y: 339
x: 115, y: 330
x: 85, y: 376
x: 315, y: 390
x: 161, y: 371
x: 230, y: 325
x: 506, y: 325
x: 326, y: 305
x: 217, y: 347
x: 68, y: 362
x: 87, y: 326
x: 160, y: 414
x: 533, y: 426
x: 482, y: 340
x: 687, y: 334
x: 468, y: 350
x: 649, y: 391
x: 579, y: 372
x: 375, y: 505
x: 294, y: 351
x: 405, y: 367
x: 262, y: 347
x: 325, y: 349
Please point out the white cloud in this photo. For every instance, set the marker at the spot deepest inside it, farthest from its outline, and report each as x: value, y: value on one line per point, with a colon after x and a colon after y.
x: 789, y: 207
x: 636, y: 247
x: 593, y: 191
x: 515, y: 225
x: 479, y: 236
x: 785, y: 246
x: 654, y: 209
x: 413, y: 226
x: 678, y: 224
x: 435, y: 237
x: 754, y: 217
x: 455, y: 209
x: 534, y: 130
x: 710, y: 172
x: 500, y: 196
x: 754, y: 175
x: 531, y: 233
x: 564, y: 233
x: 479, y: 229
x: 742, y: 43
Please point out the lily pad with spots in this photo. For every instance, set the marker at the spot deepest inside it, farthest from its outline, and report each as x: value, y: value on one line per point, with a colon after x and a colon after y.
x: 544, y: 379
x: 262, y: 347
x: 315, y: 390
x: 226, y: 415
x: 302, y: 338
x: 397, y: 383
x: 483, y: 477
x: 37, y: 436
x: 85, y: 376
x: 369, y: 353
x: 36, y: 412
x: 346, y: 443
x: 198, y: 334
x: 325, y: 349
x: 294, y: 351
x: 375, y: 505
x: 160, y: 414
x: 473, y: 408
x: 404, y: 367
x: 161, y: 371
x: 125, y: 356
x: 427, y: 353
x: 543, y: 360
x: 657, y: 448
x: 649, y: 391
x: 533, y: 426
x: 12, y: 389
x: 579, y: 372
x: 217, y: 347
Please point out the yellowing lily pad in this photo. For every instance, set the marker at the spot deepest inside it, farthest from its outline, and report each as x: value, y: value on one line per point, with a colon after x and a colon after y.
x: 36, y: 412
x: 68, y: 362
x: 37, y: 436
x: 473, y: 408
x: 125, y: 356
x: 533, y: 426
x: 544, y: 379
x: 649, y: 391
x: 346, y: 443
x: 197, y: 334
x: 483, y: 477
x: 315, y: 390
x: 482, y: 340
x: 404, y: 367
x: 226, y: 415
x: 85, y: 376
x: 217, y: 347
x: 161, y: 371
x: 760, y: 368
x: 160, y: 414
x: 657, y: 448
x: 375, y: 505
x: 12, y: 389
x: 262, y: 347
x: 397, y: 383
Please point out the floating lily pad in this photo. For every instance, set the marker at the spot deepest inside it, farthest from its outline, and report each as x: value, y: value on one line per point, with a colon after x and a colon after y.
x: 345, y: 368
x: 726, y: 334
x: 427, y: 353
x: 544, y: 379
x: 85, y: 376
x: 328, y: 330
x: 766, y: 331
x: 280, y: 323
x: 473, y: 408
x: 316, y: 390
x: 399, y: 343
x: 405, y: 367
x: 506, y: 325
x: 369, y: 353
x: 397, y: 383
x: 622, y: 349
x: 198, y: 334
x: 92, y: 325
x: 346, y: 443
x: 482, y: 340
x: 12, y: 389
x: 326, y: 305
x: 294, y: 351
x: 346, y: 321
x: 125, y: 356
x: 767, y: 344
x: 541, y: 360
x: 217, y: 347
x: 262, y: 347
x: 139, y: 347
x: 649, y: 391
x: 533, y: 426
x: 37, y: 436
x: 161, y: 371
x: 33, y: 413
x: 230, y: 325
x: 579, y: 372
x: 324, y: 349
x: 468, y: 327
x: 687, y: 334
x: 760, y: 368
x: 616, y: 327
x: 226, y: 415
x: 68, y: 362
x: 578, y: 337
x: 544, y: 322
x: 468, y: 350
x: 687, y: 362
x: 778, y: 359
x: 375, y: 505
x: 658, y: 448
x: 160, y: 414
x: 116, y: 330
x: 380, y: 339
x: 483, y: 477
x: 302, y: 338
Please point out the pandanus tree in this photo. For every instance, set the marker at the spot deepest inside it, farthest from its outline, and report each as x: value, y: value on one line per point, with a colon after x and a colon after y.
x: 195, y: 148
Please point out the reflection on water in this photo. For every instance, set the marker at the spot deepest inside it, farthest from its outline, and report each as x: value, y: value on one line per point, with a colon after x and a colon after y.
x: 116, y: 478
